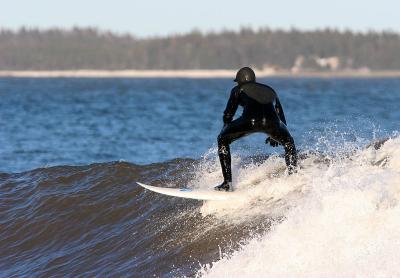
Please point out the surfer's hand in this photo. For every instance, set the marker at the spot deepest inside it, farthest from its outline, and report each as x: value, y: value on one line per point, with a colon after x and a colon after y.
x: 272, y: 142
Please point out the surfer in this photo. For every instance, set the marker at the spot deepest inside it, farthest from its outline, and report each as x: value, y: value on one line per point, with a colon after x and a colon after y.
x: 262, y: 112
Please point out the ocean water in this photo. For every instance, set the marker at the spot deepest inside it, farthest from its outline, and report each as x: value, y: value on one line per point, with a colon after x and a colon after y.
x: 67, y: 121
x: 72, y: 149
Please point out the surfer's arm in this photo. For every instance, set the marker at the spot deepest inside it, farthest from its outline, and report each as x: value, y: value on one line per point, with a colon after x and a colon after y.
x: 231, y: 106
x: 279, y: 110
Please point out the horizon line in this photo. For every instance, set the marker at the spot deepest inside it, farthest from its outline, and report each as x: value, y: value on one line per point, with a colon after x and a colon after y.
x: 205, y: 32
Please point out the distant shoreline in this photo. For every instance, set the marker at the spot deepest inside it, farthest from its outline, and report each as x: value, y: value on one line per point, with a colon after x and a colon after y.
x: 192, y: 74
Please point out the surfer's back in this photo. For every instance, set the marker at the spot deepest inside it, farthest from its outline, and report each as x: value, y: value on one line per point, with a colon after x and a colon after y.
x: 257, y: 101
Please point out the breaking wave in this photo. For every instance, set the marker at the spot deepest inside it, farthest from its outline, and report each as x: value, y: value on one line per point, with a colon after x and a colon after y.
x: 338, y: 216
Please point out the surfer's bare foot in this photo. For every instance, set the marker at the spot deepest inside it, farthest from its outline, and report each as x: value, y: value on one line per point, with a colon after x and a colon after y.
x: 225, y: 186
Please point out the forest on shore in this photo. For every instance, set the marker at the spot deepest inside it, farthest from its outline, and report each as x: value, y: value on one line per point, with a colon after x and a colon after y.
x: 294, y: 50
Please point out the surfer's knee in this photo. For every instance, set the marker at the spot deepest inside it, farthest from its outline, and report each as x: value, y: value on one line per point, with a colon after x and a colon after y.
x: 222, y: 140
x: 223, y: 145
x: 289, y: 143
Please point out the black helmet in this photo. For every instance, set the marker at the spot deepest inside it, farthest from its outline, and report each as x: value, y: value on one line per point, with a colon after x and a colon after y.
x: 244, y: 75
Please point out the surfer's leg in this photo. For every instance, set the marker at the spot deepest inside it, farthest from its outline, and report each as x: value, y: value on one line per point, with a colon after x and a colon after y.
x: 281, y: 134
x: 231, y: 132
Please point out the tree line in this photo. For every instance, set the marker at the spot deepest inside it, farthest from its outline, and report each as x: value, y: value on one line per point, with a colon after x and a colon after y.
x: 90, y: 48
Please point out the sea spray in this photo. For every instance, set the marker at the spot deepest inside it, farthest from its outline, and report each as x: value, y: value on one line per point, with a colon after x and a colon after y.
x: 345, y: 223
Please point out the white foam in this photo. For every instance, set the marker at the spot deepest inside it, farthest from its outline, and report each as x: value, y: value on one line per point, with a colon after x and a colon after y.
x: 341, y: 220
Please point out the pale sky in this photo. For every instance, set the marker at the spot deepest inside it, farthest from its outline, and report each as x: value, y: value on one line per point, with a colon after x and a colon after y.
x: 150, y: 17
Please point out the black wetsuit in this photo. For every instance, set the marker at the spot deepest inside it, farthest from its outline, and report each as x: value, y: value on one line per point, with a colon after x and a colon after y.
x: 259, y: 115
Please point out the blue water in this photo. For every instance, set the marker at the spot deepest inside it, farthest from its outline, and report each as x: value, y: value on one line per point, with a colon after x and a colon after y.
x: 73, y: 121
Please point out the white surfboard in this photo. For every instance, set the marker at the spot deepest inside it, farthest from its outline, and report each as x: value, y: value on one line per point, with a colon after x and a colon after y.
x: 193, y: 193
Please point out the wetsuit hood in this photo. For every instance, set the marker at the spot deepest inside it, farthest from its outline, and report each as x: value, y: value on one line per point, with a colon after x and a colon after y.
x: 245, y: 75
